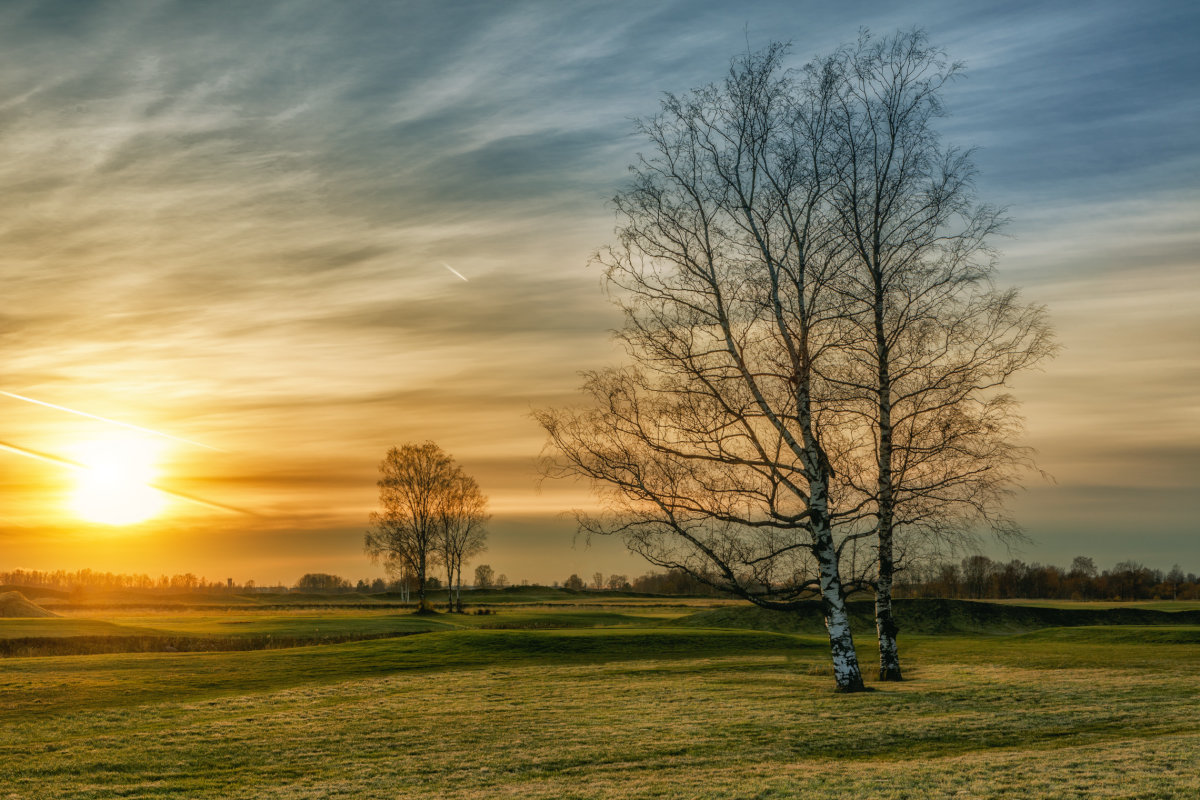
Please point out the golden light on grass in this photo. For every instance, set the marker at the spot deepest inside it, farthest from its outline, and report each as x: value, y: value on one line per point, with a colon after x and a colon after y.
x: 114, y: 488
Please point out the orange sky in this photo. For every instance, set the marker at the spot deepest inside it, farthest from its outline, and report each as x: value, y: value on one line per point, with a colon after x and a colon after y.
x: 232, y: 226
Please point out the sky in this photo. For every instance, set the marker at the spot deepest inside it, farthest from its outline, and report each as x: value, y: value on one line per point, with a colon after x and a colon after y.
x: 240, y: 223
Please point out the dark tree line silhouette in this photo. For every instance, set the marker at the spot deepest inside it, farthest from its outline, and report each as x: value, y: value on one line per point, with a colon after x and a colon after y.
x: 87, y: 579
x: 979, y: 577
x: 973, y: 578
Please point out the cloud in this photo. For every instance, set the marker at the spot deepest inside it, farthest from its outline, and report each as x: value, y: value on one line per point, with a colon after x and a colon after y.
x: 226, y: 219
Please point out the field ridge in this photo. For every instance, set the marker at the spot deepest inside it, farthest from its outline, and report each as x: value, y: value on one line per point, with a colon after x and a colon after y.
x: 936, y: 616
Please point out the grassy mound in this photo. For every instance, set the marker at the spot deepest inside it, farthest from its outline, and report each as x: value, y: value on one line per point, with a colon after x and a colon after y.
x: 927, y: 616
x: 14, y: 604
x: 35, y: 592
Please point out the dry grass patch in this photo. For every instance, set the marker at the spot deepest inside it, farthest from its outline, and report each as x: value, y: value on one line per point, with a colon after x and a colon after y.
x: 757, y: 725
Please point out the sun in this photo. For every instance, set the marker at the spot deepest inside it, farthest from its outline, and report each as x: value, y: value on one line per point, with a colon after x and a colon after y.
x: 113, y: 488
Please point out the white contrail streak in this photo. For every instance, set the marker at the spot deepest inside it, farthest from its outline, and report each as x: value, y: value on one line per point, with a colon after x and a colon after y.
x: 58, y: 462
x: 112, y: 421
x: 66, y: 462
x: 456, y: 272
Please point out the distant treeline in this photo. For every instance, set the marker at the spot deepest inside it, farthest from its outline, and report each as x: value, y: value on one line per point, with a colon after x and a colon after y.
x: 86, y: 579
x: 66, y: 580
x: 675, y: 582
x: 975, y: 577
x: 979, y: 577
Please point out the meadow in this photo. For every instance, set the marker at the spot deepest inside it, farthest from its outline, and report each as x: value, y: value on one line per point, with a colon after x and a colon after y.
x: 602, y: 697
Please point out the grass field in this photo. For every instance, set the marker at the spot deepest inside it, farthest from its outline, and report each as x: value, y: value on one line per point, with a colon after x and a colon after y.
x: 598, y: 702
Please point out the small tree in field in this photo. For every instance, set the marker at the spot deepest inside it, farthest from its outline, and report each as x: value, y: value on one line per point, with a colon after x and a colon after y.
x: 404, y: 531
x: 429, y: 511
x: 484, y: 576
x: 463, y: 515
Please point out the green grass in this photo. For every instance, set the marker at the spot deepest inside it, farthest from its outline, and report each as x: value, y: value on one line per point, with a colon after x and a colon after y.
x: 205, y: 632
x: 42, y: 684
x: 632, y: 707
x: 64, y: 626
x: 192, y: 631
x: 297, y: 624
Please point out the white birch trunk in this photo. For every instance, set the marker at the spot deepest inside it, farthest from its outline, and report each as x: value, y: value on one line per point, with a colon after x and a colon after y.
x: 846, y: 672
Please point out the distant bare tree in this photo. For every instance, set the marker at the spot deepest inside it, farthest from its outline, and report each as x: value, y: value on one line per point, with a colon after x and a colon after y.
x: 618, y: 582
x: 574, y: 583
x: 976, y: 574
x: 933, y: 343
x: 404, y: 533
x: 501, y: 580
x: 484, y: 575
x: 322, y: 582
x: 1173, y: 579
x: 715, y: 453
x: 1082, y: 567
x: 462, y: 513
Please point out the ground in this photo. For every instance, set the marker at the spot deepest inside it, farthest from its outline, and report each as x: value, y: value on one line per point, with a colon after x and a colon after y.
x: 616, y: 700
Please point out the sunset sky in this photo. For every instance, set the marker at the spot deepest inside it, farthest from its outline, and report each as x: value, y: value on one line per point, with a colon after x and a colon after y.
x: 231, y: 222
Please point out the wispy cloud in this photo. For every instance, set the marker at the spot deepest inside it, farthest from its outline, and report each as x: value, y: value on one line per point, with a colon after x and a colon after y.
x: 220, y: 218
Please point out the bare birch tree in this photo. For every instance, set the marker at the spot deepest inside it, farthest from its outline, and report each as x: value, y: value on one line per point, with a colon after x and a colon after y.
x: 462, y: 513
x: 404, y: 533
x: 484, y: 575
x: 714, y: 453
x: 931, y: 343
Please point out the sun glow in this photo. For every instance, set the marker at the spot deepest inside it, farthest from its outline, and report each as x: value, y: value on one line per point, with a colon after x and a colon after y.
x: 113, y: 489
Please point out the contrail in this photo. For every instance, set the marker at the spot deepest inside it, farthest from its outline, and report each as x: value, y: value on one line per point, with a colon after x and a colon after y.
x: 66, y: 462
x: 113, y: 421
x: 452, y: 269
x: 61, y: 462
